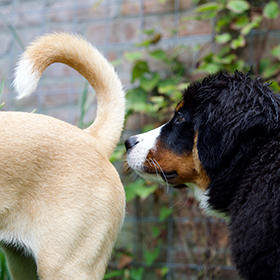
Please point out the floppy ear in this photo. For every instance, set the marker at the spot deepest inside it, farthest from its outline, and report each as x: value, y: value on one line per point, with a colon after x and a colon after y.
x: 209, y: 147
x: 214, y: 146
x: 247, y: 132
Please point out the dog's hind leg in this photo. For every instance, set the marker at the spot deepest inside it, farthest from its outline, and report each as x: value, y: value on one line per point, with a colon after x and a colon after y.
x: 84, y: 256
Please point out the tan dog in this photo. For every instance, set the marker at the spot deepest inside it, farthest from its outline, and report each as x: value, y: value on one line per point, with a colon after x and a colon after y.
x: 62, y: 203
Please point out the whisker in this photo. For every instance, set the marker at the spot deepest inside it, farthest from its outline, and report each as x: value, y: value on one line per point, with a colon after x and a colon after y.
x: 165, y: 179
x: 182, y: 196
x: 185, y: 203
x: 152, y: 164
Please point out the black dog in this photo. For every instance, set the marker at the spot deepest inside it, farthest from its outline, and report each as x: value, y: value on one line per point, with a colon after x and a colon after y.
x: 225, y: 138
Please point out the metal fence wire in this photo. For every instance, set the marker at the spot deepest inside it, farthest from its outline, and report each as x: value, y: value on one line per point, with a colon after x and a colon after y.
x: 192, y: 246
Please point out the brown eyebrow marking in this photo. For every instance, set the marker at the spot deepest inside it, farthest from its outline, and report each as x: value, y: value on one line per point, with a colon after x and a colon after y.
x: 180, y: 105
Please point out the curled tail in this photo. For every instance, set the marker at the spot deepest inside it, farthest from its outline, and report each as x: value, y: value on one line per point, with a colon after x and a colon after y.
x: 83, y: 57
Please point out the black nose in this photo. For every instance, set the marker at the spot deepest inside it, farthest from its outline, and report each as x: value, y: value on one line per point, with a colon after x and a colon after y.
x: 131, y: 142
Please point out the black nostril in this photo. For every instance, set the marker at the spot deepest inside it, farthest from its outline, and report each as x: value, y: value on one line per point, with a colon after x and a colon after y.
x: 131, y: 142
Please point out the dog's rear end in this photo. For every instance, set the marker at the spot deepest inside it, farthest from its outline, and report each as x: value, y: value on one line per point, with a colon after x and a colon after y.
x: 62, y: 202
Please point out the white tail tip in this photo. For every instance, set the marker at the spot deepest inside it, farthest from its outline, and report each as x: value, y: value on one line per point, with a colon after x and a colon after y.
x: 26, y: 78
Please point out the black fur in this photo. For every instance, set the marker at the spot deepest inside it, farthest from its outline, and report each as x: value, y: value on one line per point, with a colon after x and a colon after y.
x: 237, y: 119
x: 178, y: 134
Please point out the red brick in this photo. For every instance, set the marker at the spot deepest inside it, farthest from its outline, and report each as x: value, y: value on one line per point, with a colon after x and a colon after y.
x: 123, y: 31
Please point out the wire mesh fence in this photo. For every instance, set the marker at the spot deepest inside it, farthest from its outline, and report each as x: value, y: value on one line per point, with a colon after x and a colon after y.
x: 179, y: 243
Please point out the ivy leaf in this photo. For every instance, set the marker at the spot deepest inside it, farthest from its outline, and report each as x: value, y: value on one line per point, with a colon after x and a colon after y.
x: 275, y: 86
x: 238, y: 6
x: 248, y: 27
x: 224, y: 60
x: 164, y: 271
x: 271, y: 10
x: 237, y: 43
x: 223, y: 38
x: 158, y: 55
x: 113, y: 274
x: 240, y: 22
x: 137, y: 273
x: 139, y: 69
x: 151, y: 256
x: 149, y: 83
x: 212, y: 6
x: 136, y: 100
x: 131, y: 188
x: 276, y: 51
x: 155, y: 231
x: 164, y: 213
x: 133, y: 56
x: 138, y: 188
x: 270, y: 71
x: 143, y: 191
x: 210, y: 67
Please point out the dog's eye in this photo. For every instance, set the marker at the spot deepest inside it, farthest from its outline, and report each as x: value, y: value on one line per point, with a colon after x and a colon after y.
x: 179, y: 118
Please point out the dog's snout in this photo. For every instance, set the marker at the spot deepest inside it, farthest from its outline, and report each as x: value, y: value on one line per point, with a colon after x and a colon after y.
x: 131, y: 142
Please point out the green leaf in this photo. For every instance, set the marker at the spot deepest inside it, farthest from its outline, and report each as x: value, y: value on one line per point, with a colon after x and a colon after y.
x: 137, y: 273
x: 139, y: 69
x: 164, y: 213
x: 210, y: 67
x: 149, y: 32
x: 240, y: 22
x: 239, y: 64
x: 149, y: 83
x: 131, y: 189
x: 133, y: 56
x: 151, y: 256
x: 224, y: 60
x: 238, y: 6
x: 223, y: 51
x: 276, y: 51
x: 255, y: 23
x: 237, y: 43
x: 117, y: 154
x: 275, y: 86
x: 271, y: 10
x: 143, y: 191
x: 221, y: 22
x: 212, y: 6
x: 270, y: 71
x: 159, y: 55
x: 164, y: 271
x: 223, y: 38
x: 155, y: 231
x: 146, y: 43
x: 112, y: 274
x: 136, y: 99
x: 166, y: 89
x: 264, y: 63
x: 182, y: 86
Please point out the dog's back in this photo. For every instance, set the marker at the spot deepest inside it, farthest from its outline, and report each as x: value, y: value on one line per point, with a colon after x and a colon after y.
x: 62, y: 202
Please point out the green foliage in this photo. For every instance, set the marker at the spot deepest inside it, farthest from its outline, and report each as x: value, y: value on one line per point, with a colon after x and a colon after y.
x: 4, y: 274
x: 271, y: 10
x: 158, y: 77
x: 138, y: 188
x: 153, y: 91
x: 234, y: 21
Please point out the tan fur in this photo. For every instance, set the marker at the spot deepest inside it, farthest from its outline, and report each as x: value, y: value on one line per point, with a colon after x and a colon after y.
x: 202, y: 180
x: 61, y: 200
x: 187, y: 166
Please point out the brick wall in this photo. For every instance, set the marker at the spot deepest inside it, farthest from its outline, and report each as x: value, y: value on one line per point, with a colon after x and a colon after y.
x: 114, y: 26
